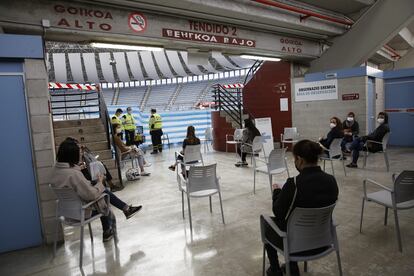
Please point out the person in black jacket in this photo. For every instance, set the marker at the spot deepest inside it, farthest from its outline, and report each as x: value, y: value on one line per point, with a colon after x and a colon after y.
x: 313, y: 188
x: 249, y: 133
x: 377, y: 135
x: 351, y: 130
x: 335, y: 132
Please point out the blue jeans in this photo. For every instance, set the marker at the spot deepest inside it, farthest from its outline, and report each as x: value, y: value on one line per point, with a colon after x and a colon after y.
x: 356, y: 146
x: 115, y: 201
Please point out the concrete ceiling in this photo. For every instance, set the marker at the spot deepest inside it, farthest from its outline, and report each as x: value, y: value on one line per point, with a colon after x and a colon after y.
x: 345, y: 7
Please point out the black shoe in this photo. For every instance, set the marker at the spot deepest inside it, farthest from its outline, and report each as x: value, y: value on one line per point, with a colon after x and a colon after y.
x: 244, y: 164
x: 108, y: 235
x: 270, y: 272
x: 352, y: 165
x: 132, y: 210
x: 154, y: 152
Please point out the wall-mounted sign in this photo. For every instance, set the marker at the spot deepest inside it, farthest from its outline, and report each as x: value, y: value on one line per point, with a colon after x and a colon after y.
x: 316, y: 91
x: 137, y: 22
x: 208, y: 38
x: 350, y: 96
x: 280, y: 88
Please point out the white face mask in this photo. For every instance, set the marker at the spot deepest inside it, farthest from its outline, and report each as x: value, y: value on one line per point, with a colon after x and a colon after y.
x: 118, y: 130
x: 350, y: 119
x: 332, y: 125
x: 380, y: 120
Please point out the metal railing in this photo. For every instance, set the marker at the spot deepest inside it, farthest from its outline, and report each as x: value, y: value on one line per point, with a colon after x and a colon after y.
x: 229, y: 102
x: 75, y: 105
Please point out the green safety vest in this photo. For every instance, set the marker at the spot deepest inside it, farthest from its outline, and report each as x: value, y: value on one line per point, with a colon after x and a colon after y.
x: 129, y: 122
x: 155, y: 122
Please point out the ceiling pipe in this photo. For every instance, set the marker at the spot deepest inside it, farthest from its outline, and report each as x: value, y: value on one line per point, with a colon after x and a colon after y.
x: 392, y: 51
x: 305, y: 13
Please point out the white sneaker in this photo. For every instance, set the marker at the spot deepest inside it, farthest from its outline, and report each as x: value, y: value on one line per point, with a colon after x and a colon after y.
x: 145, y: 174
x: 148, y: 164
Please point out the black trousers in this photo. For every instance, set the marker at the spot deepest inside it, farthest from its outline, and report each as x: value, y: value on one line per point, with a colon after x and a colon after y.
x: 156, y: 139
x: 275, y: 239
x: 242, y: 154
x: 129, y: 137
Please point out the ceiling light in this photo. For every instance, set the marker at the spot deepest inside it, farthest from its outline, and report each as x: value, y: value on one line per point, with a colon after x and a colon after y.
x: 260, y: 57
x: 126, y: 47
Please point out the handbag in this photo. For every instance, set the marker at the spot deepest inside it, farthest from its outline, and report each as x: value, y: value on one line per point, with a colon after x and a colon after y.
x: 132, y: 174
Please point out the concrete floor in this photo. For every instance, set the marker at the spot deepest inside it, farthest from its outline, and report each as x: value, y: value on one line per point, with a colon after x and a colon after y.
x: 157, y: 240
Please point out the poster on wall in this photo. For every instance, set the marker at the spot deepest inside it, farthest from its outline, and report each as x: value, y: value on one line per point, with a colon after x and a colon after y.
x: 316, y: 91
x: 264, y: 125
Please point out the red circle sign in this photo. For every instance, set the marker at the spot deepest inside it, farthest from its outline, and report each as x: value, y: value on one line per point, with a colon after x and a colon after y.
x: 137, y: 22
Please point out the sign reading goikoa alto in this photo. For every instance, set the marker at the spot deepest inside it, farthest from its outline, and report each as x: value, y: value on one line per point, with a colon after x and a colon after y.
x: 77, y: 21
x: 316, y: 91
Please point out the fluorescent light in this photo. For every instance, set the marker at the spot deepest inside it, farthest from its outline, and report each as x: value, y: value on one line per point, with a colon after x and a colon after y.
x: 260, y: 57
x: 125, y: 47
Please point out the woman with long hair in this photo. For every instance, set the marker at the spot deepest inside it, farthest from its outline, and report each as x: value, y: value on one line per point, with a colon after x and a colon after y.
x: 190, y: 140
x: 249, y: 133
x: 67, y: 173
x: 335, y: 132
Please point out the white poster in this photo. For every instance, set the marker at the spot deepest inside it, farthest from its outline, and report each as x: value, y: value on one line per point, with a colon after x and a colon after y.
x: 264, y: 125
x: 316, y: 91
x: 284, y: 106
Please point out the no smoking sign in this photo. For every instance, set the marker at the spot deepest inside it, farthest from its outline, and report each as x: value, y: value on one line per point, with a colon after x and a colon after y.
x: 137, y: 22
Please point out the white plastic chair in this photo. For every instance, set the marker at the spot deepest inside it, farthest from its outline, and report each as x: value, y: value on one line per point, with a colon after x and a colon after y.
x: 334, y: 153
x: 70, y: 210
x: 307, y: 229
x: 399, y: 197
x: 384, y: 144
x: 234, y: 139
x: 202, y: 181
x: 192, y: 157
x: 208, y: 138
x: 164, y: 138
x: 256, y: 146
x: 290, y: 135
x: 275, y: 164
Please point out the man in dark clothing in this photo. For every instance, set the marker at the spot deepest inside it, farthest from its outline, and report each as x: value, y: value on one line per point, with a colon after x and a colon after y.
x: 312, y: 188
x: 377, y: 135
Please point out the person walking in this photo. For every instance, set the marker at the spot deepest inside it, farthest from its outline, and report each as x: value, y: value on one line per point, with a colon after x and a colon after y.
x: 155, y: 126
x: 128, y: 121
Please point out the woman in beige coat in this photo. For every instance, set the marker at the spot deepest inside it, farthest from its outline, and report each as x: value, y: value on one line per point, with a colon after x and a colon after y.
x: 67, y: 173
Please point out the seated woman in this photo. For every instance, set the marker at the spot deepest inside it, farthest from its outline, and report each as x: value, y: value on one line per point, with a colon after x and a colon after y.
x: 190, y: 140
x: 377, y: 135
x: 249, y: 133
x: 312, y: 188
x: 130, y: 151
x: 335, y: 132
x: 67, y: 173
x: 351, y: 130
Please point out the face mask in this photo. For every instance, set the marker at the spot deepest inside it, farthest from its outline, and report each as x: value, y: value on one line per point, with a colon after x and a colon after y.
x: 350, y: 119
x: 332, y: 125
x: 118, y: 130
x: 380, y: 120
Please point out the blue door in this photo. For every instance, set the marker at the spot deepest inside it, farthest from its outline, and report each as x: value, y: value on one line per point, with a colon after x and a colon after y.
x: 19, y: 209
x: 371, y: 104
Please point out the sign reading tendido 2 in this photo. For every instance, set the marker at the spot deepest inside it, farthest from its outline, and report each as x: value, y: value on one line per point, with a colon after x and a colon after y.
x: 316, y: 91
x: 209, y: 33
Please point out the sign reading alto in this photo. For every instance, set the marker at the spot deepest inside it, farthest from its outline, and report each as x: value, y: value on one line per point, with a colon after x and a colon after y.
x: 316, y: 91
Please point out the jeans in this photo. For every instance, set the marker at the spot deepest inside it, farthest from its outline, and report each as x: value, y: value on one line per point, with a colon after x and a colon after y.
x: 115, y: 201
x: 356, y: 146
x: 107, y: 222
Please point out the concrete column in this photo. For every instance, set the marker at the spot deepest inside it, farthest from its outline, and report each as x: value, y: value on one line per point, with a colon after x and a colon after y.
x: 43, y: 143
x: 380, y: 95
